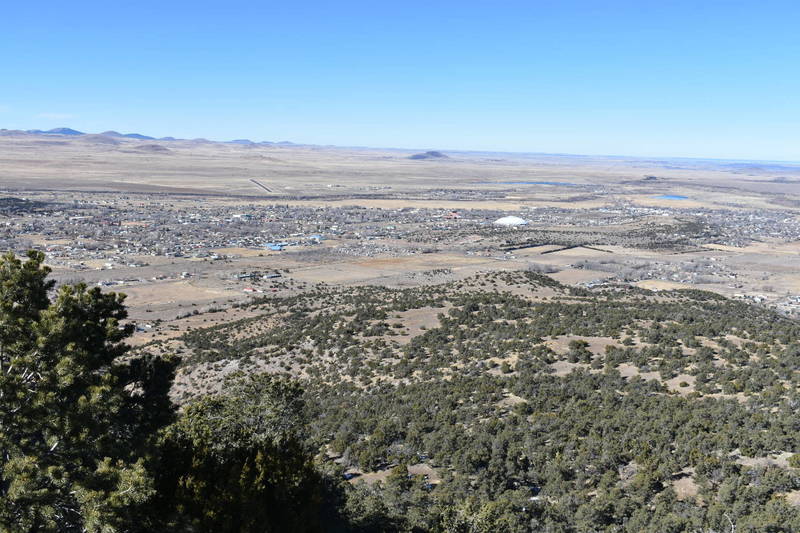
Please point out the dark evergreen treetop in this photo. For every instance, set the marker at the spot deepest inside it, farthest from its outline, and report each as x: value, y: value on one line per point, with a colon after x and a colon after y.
x: 77, y: 419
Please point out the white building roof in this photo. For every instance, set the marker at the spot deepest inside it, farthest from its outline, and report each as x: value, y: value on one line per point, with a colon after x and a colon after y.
x: 510, y: 221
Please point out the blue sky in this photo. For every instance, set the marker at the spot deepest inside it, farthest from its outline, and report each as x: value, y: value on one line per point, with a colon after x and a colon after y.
x: 700, y: 78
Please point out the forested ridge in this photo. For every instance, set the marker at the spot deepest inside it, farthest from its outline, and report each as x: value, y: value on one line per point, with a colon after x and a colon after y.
x: 503, y: 402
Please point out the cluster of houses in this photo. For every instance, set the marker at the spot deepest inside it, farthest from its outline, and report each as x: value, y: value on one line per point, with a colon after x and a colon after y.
x: 90, y: 231
x: 102, y: 225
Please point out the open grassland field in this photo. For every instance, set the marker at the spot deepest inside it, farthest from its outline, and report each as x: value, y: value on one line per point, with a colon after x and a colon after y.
x: 381, y: 178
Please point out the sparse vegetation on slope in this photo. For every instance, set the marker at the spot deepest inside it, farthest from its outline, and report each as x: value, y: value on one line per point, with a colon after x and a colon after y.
x: 537, y: 406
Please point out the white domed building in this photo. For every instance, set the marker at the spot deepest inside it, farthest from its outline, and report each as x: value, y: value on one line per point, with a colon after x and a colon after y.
x: 510, y: 221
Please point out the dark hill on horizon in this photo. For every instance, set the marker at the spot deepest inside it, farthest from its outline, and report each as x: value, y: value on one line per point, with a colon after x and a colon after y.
x: 57, y: 131
x: 429, y: 155
x: 112, y: 133
x: 153, y: 148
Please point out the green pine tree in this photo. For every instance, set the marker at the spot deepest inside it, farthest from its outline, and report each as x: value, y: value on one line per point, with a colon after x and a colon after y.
x: 78, y: 417
x: 238, y: 462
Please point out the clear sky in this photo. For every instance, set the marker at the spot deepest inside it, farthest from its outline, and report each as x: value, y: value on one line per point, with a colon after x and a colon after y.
x: 702, y: 78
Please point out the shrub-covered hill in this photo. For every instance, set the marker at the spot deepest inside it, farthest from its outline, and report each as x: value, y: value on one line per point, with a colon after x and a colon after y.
x: 532, y: 405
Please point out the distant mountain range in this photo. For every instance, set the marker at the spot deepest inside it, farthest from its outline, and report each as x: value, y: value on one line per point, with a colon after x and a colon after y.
x: 112, y: 137
x: 56, y: 131
x: 138, y: 136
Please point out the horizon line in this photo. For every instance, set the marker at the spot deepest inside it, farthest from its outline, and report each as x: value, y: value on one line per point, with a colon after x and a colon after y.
x: 36, y: 131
